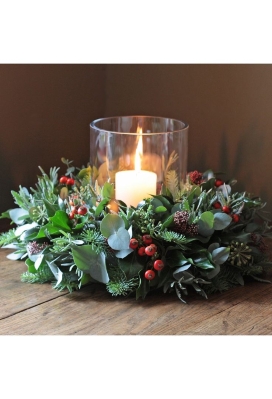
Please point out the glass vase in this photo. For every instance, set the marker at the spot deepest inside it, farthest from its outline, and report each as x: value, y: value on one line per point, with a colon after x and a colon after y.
x: 137, y: 153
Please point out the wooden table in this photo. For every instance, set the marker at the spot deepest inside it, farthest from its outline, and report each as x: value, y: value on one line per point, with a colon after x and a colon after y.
x: 37, y: 309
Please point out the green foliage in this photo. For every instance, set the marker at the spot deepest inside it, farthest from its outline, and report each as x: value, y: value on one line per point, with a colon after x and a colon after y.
x: 119, y: 284
x: 41, y: 276
x: 202, y: 248
x: 8, y: 237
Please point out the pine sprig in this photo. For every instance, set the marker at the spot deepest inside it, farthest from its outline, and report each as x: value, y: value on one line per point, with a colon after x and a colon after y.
x: 43, y: 275
x: 68, y: 282
x: 119, y: 285
x: 174, y: 237
x: 8, y: 237
x: 95, y: 239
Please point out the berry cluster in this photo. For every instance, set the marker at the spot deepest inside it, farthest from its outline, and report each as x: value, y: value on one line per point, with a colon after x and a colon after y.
x: 196, y: 177
x: 146, y: 247
x: 182, y: 226
x: 227, y: 209
x: 69, y: 181
x: 77, y: 207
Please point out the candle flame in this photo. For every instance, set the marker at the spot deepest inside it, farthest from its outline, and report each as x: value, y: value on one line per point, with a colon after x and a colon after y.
x: 139, y: 149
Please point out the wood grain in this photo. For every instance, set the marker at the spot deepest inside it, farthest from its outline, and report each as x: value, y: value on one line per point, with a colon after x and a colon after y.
x: 34, y: 309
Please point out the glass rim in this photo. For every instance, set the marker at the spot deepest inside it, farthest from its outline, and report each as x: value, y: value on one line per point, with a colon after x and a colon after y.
x: 93, y: 125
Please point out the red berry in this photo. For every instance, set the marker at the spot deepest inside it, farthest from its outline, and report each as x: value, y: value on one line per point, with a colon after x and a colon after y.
x: 147, y: 239
x: 226, y: 209
x: 133, y: 243
x: 74, y: 209
x: 71, y: 215
x: 217, y: 205
x: 218, y: 182
x: 235, y: 218
x: 154, y: 246
x: 63, y: 180
x: 150, y: 250
x: 70, y: 181
x: 141, y: 251
x: 149, y: 274
x: 82, y: 210
x: 158, y: 264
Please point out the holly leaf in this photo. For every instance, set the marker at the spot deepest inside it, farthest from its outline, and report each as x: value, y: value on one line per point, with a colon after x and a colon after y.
x: 101, y: 206
x: 130, y: 266
x: 203, y: 263
x: 60, y: 221
x: 51, y: 208
x: 107, y: 191
x: 47, y: 229
x: 175, y: 258
x: 143, y: 288
x: 30, y: 265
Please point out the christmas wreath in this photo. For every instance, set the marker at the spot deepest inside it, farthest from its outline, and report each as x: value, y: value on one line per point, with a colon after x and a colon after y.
x: 197, y: 235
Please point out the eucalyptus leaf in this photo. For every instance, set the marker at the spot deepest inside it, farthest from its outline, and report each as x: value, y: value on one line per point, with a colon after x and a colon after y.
x: 123, y: 253
x: 213, y: 246
x: 208, y: 219
x: 110, y: 224
x: 89, y: 261
x: 220, y: 255
x: 211, y: 274
x: 203, y: 229
x: 11, y: 246
x: 38, y: 261
x: 29, y: 234
x: 17, y: 215
x: 120, y: 239
x: 15, y: 256
x: 221, y: 220
x: 178, y: 273
x: 21, y: 229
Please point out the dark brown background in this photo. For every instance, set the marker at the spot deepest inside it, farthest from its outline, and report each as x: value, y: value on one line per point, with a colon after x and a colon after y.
x: 45, y: 112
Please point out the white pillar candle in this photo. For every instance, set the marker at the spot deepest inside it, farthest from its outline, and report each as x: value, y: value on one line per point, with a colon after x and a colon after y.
x: 132, y: 186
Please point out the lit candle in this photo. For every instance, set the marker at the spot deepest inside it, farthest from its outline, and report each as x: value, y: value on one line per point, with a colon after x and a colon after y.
x: 132, y: 186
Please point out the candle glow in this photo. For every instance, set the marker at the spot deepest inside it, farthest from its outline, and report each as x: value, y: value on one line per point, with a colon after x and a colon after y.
x: 132, y: 186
